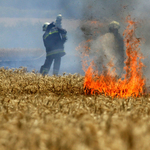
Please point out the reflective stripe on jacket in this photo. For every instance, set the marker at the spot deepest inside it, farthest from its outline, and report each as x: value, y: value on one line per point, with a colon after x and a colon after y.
x: 56, y: 51
x: 46, y: 35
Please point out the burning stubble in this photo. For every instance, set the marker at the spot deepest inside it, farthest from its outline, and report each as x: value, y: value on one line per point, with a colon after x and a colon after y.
x: 132, y: 83
x: 50, y: 112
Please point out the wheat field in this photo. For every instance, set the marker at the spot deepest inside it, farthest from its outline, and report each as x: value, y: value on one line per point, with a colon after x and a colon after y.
x: 53, y: 113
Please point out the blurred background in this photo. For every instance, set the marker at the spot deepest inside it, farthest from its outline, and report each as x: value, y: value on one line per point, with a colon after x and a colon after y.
x: 21, y: 24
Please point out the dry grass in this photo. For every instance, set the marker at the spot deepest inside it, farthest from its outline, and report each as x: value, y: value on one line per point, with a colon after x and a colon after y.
x: 48, y: 112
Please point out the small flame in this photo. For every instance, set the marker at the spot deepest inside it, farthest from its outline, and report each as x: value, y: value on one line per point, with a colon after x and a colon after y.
x: 132, y: 82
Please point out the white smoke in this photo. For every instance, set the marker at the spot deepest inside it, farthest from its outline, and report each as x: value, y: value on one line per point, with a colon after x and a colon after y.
x: 103, y: 11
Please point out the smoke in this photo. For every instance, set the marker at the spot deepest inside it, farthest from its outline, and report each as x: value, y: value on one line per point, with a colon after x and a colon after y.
x: 105, y: 11
x: 20, y: 31
x: 77, y: 17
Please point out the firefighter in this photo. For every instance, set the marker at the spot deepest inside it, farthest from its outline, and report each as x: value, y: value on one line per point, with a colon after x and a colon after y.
x: 54, y: 39
x: 114, y: 27
x: 108, y: 50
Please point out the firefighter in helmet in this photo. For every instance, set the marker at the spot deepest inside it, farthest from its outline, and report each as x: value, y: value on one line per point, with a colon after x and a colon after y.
x: 54, y: 39
x: 108, y: 51
x: 114, y: 27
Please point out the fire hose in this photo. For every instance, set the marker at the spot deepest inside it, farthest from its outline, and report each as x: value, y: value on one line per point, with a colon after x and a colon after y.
x: 1, y: 61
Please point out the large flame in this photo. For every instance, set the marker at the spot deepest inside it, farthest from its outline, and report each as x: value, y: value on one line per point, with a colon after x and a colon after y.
x: 132, y: 82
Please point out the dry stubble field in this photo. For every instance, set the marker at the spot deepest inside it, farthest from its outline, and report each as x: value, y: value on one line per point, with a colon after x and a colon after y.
x: 52, y: 113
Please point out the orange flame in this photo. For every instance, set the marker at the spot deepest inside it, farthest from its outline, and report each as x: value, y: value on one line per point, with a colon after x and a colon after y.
x: 133, y: 82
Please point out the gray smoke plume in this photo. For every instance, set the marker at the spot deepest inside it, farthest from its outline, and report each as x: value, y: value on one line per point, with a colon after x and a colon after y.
x: 105, y: 11
x: 81, y: 13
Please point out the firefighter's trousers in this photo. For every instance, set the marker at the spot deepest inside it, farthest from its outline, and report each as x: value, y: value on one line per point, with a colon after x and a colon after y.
x: 48, y: 62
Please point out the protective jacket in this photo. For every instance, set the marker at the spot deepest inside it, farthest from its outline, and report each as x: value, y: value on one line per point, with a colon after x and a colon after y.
x: 108, y: 53
x: 54, y: 39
